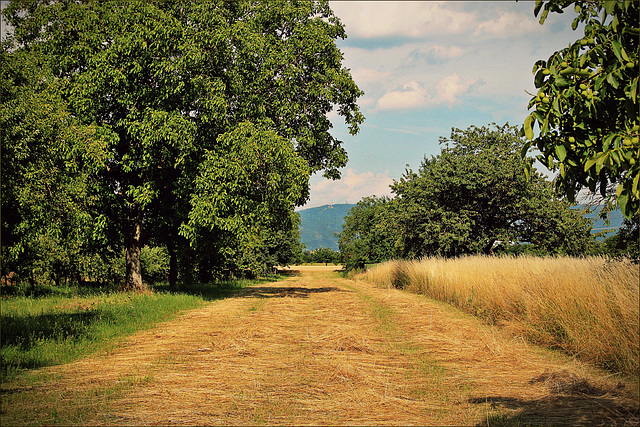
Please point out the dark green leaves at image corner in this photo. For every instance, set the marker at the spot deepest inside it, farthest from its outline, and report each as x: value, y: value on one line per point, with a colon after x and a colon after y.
x: 586, y: 108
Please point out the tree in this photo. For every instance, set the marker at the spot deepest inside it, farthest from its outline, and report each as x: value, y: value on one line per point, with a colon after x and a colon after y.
x: 245, y: 191
x: 586, y: 107
x: 626, y: 242
x: 325, y: 255
x: 51, y: 229
x: 473, y: 196
x: 367, y: 234
x: 162, y: 81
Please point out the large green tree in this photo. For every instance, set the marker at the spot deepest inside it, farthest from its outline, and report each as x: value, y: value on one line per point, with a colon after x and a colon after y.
x: 244, y: 192
x: 162, y: 82
x: 586, y: 107
x: 51, y: 228
x: 367, y: 233
x: 473, y: 196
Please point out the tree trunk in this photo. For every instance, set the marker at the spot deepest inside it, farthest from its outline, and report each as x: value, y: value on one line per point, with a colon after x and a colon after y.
x: 133, y: 244
x: 173, y: 267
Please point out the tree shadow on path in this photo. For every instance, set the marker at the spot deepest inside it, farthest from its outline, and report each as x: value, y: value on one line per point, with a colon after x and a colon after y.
x: 285, y: 291
x: 558, y: 411
x: 572, y: 401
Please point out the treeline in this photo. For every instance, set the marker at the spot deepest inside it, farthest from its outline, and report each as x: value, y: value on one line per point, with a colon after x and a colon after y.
x: 139, y: 133
x: 473, y: 198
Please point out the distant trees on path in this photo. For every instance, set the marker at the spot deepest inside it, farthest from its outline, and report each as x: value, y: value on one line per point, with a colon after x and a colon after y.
x: 471, y: 198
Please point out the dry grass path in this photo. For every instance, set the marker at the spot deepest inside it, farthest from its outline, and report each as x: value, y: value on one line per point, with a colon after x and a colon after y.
x: 319, y: 349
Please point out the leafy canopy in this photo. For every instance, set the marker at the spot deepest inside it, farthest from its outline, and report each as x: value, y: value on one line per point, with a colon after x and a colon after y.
x: 367, y: 235
x: 164, y: 93
x: 586, y: 107
x: 473, y: 196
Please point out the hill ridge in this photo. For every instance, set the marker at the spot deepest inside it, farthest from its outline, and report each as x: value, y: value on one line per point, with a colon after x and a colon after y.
x: 319, y: 225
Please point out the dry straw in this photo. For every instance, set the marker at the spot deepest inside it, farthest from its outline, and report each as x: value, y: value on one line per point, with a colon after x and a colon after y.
x: 586, y: 306
x: 318, y: 349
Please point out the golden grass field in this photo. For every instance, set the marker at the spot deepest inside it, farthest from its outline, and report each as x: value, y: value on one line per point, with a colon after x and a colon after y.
x: 319, y: 349
x: 587, y: 307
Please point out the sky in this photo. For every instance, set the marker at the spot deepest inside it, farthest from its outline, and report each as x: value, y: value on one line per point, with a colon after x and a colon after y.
x: 426, y: 67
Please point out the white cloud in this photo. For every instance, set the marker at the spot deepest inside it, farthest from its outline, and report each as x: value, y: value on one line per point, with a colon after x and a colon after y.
x: 450, y: 87
x: 419, y: 20
x: 508, y: 24
x: 364, y: 76
x: 410, y: 96
x: 414, y: 95
x: 350, y: 189
x: 402, y: 19
x: 436, y: 53
x: 447, y: 52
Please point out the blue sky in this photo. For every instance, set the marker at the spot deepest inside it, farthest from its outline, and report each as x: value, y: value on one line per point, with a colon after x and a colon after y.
x: 426, y: 67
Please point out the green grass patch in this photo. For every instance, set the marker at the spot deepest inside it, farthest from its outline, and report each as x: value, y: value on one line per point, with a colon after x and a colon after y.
x: 62, y: 324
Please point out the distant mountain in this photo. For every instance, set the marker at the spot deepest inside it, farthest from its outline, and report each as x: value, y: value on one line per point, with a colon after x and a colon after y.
x: 319, y: 225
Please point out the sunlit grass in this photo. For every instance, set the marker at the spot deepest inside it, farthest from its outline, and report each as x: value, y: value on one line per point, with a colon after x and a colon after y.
x: 62, y: 324
x: 588, y: 307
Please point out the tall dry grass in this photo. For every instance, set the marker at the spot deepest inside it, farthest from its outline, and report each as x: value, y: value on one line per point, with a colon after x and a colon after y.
x: 586, y: 306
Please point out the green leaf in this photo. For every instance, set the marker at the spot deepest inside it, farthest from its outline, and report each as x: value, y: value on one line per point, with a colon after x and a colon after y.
x: 561, y: 152
x: 583, y: 59
x: 603, y: 185
x: 609, y: 6
x: 589, y: 163
x: 602, y: 157
x: 527, y: 171
x: 613, y: 81
x: 577, y: 71
x: 539, y: 79
x: 623, y: 199
x: 575, y: 23
x: 528, y: 128
x: 562, y: 82
x: 537, y: 7
x: 617, y: 50
x: 544, y: 129
x: 543, y: 17
x: 607, y: 142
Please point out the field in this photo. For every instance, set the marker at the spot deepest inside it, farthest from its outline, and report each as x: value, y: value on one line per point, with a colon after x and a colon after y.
x: 61, y: 324
x: 317, y: 348
x: 588, y: 307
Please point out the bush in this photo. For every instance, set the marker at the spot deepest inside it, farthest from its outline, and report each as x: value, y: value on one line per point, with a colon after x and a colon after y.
x: 154, y: 261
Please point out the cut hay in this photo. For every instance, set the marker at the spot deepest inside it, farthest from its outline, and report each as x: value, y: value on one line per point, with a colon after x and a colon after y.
x: 309, y: 350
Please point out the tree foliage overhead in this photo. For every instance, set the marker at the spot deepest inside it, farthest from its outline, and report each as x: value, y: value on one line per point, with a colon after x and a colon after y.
x: 158, y: 89
x: 587, y: 108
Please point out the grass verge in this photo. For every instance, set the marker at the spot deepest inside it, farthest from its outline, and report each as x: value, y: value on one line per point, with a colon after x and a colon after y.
x: 588, y: 307
x: 63, y: 324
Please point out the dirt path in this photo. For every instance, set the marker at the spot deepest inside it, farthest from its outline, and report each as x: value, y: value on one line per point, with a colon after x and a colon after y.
x: 318, y: 349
